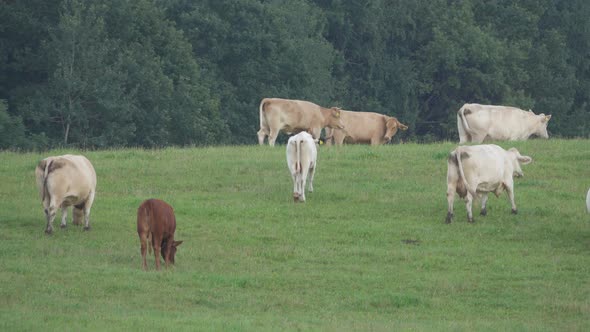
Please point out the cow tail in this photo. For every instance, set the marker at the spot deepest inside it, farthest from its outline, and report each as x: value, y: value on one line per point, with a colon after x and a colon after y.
x: 45, y: 176
x: 146, y: 213
x: 262, y: 116
x: 458, y: 153
x: 463, y: 126
x: 298, y: 165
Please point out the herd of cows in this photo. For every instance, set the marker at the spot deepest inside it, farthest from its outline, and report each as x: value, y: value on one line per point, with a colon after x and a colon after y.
x: 472, y: 170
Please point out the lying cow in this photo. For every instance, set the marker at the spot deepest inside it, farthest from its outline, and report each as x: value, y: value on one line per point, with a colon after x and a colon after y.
x: 293, y: 116
x: 482, y: 169
x: 156, y: 225
x: 302, y: 161
x: 65, y: 181
x: 364, y: 127
x: 478, y: 123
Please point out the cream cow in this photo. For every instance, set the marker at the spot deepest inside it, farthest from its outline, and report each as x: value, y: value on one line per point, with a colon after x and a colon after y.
x: 63, y: 181
x: 293, y: 116
x: 481, y: 169
x: 478, y: 123
x: 302, y: 161
x: 364, y: 127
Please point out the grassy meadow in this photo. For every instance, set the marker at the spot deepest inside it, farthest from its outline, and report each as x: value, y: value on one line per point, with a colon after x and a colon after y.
x: 369, y: 250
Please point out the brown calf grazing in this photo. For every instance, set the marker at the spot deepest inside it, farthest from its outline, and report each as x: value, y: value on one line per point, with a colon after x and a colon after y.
x: 155, y: 219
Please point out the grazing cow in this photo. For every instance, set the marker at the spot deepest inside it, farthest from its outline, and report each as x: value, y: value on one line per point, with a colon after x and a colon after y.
x: 64, y: 181
x: 156, y: 223
x: 301, y: 160
x: 477, y: 123
x: 293, y: 116
x: 482, y: 169
x: 364, y: 127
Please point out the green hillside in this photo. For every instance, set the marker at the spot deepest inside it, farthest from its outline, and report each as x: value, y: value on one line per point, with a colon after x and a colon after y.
x: 369, y: 250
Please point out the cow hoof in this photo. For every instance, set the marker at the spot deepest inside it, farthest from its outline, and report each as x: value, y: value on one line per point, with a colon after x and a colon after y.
x: 514, y: 211
x: 484, y: 212
x: 449, y: 218
x: 49, y: 231
x: 63, y: 226
x: 470, y: 220
x: 86, y: 228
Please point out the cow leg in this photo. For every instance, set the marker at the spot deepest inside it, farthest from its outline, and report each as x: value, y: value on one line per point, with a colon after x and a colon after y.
x: 143, y: 239
x: 311, y: 174
x: 157, y: 243
x: 87, y: 207
x: 261, y: 135
x: 169, y: 244
x: 451, y: 188
x: 484, y: 201
x: 272, y: 137
x: 302, y: 180
x: 64, y: 216
x: 50, y: 213
x: 510, y: 191
x: 295, y: 191
x: 469, y: 205
x: 478, y: 138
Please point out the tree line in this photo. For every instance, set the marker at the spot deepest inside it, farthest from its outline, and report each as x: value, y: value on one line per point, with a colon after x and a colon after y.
x: 110, y: 73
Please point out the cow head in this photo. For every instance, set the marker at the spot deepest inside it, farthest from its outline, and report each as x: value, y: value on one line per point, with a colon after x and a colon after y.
x: 391, y: 127
x: 335, y: 119
x: 517, y: 159
x: 172, y: 250
x: 543, y: 121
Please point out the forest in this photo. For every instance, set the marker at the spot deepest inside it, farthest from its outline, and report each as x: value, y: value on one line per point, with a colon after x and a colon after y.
x: 153, y: 73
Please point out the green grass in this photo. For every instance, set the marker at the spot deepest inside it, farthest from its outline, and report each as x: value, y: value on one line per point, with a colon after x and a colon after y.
x: 368, y: 251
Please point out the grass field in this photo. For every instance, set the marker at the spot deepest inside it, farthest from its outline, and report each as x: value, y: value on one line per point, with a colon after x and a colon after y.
x: 368, y: 251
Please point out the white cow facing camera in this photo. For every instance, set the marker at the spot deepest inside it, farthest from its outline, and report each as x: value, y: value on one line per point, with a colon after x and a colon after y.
x: 302, y: 161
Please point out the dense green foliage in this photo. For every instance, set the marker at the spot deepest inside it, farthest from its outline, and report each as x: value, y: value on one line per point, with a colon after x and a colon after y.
x: 183, y: 72
x: 368, y: 251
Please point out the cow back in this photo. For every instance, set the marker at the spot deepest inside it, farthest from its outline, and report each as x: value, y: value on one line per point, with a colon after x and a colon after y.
x: 157, y: 217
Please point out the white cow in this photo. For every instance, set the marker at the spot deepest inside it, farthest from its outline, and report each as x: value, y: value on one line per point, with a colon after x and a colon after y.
x: 481, y: 169
x: 588, y: 201
x: 478, y: 123
x: 301, y: 160
x: 64, y: 181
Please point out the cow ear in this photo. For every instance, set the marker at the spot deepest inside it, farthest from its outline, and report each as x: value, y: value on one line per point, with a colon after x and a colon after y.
x: 547, y: 118
x: 177, y: 243
x: 336, y: 112
x: 525, y: 160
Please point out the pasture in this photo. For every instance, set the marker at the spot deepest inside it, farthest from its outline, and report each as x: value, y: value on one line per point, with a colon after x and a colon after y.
x: 369, y: 250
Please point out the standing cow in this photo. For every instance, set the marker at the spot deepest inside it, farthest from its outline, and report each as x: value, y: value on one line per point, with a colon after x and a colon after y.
x: 301, y: 160
x: 156, y: 225
x: 482, y: 169
x: 293, y: 116
x: 364, y: 127
x: 64, y: 181
x: 478, y: 123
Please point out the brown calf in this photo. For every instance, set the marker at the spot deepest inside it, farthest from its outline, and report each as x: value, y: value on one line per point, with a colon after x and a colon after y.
x: 155, y: 219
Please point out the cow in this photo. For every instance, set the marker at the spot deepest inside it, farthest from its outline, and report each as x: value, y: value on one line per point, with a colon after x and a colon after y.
x: 588, y: 201
x: 481, y: 169
x: 364, y: 127
x: 156, y: 223
x: 293, y: 116
x: 478, y: 123
x: 64, y: 181
x: 302, y: 161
